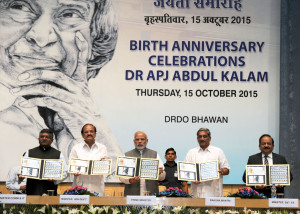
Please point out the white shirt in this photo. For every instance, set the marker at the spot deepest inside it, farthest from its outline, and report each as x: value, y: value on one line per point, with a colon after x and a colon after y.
x: 143, y: 189
x: 93, y: 183
x: 270, y: 158
x: 13, y: 183
x: 213, y: 188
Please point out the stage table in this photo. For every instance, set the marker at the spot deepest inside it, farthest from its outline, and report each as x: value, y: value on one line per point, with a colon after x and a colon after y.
x: 163, y: 201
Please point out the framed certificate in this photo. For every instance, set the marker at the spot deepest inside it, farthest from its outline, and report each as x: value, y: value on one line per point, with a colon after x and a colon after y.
x: 256, y: 175
x: 53, y: 169
x: 30, y: 167
x: 126, y: 167
x: 101, y: 167
x: 209, y: 171
x: 77, y: 165
x: 149, y: 168
x: 187, y: 171
x: 280, y: 174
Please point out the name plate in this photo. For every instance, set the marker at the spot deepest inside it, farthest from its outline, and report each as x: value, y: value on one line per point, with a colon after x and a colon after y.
x: 74, y: 199
x: 220, y: 201
x: 280, y: 202
x: 13, y: 199
x: 140, y: 200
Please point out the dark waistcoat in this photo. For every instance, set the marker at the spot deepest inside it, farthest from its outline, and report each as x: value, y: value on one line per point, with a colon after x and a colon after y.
x: 151, y: 185
x: 39, y: 187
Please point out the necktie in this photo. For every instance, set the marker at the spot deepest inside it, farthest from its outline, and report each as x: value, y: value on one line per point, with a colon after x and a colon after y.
x: 267, y: 168
x: 266, y: 160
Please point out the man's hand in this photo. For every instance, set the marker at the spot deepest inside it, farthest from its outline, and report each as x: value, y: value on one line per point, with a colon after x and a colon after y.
x: 261, y: 186
x: 134, y: 179
x: 196, y: 182
x: 264, y: 186
x: 23, y: 187
x: 160, y: 170
x: 77, y: 174
x: 21, y: 178
x: 224, y: 171
x: 64, y: 102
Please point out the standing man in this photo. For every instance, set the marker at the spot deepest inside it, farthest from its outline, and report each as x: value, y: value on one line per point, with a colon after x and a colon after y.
x: 44, y: 151
x: 135, y: 185
x: 171, y: 179
x: 204, y: 153
x: 89, y: 150
x: 267, y: 157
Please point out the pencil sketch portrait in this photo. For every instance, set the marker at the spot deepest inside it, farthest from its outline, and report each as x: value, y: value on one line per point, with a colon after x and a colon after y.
x: 49, y: 50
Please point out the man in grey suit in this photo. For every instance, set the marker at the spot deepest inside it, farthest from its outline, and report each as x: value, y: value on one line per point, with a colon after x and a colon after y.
x: 266, y: 156
x: 135, y: 185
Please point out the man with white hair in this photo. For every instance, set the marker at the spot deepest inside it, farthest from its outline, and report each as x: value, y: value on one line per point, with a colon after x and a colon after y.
x: 135, y: 185
x: 203, y: 153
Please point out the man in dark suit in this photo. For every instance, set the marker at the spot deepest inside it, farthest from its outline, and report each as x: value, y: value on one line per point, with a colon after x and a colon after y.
x: 266, y: 156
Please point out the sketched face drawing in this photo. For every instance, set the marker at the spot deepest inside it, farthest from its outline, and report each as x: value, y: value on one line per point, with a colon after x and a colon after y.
x: 40, y: 34
x: 49, y: 50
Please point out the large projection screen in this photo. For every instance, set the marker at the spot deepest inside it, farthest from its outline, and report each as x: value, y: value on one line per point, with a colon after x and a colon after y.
x: 178, y: 66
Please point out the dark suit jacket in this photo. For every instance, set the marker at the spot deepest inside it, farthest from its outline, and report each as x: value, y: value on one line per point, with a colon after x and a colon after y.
x: 257, y: 159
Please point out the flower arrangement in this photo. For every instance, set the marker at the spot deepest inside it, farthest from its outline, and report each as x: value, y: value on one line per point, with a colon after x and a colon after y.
x: 92, y: 209
x: 172, y: 192
x: 79, y: 190
x: 247, y: 193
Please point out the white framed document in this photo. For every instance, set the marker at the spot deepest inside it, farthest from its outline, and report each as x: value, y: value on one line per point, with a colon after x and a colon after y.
x: 279, y: 174
x: 149, y: 168
x: 80, y: 166
x: 209, y: 171
x: 187, y: 171
x: 53, y: 169
x: 101, y: 167
x: 256, y: 175
x: 30, y: 167
x: 126, y: 167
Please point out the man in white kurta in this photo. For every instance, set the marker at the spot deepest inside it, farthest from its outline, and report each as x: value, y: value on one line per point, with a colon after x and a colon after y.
x: 13, y: 182
x: 205, y: 152
x: 89, y: 150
